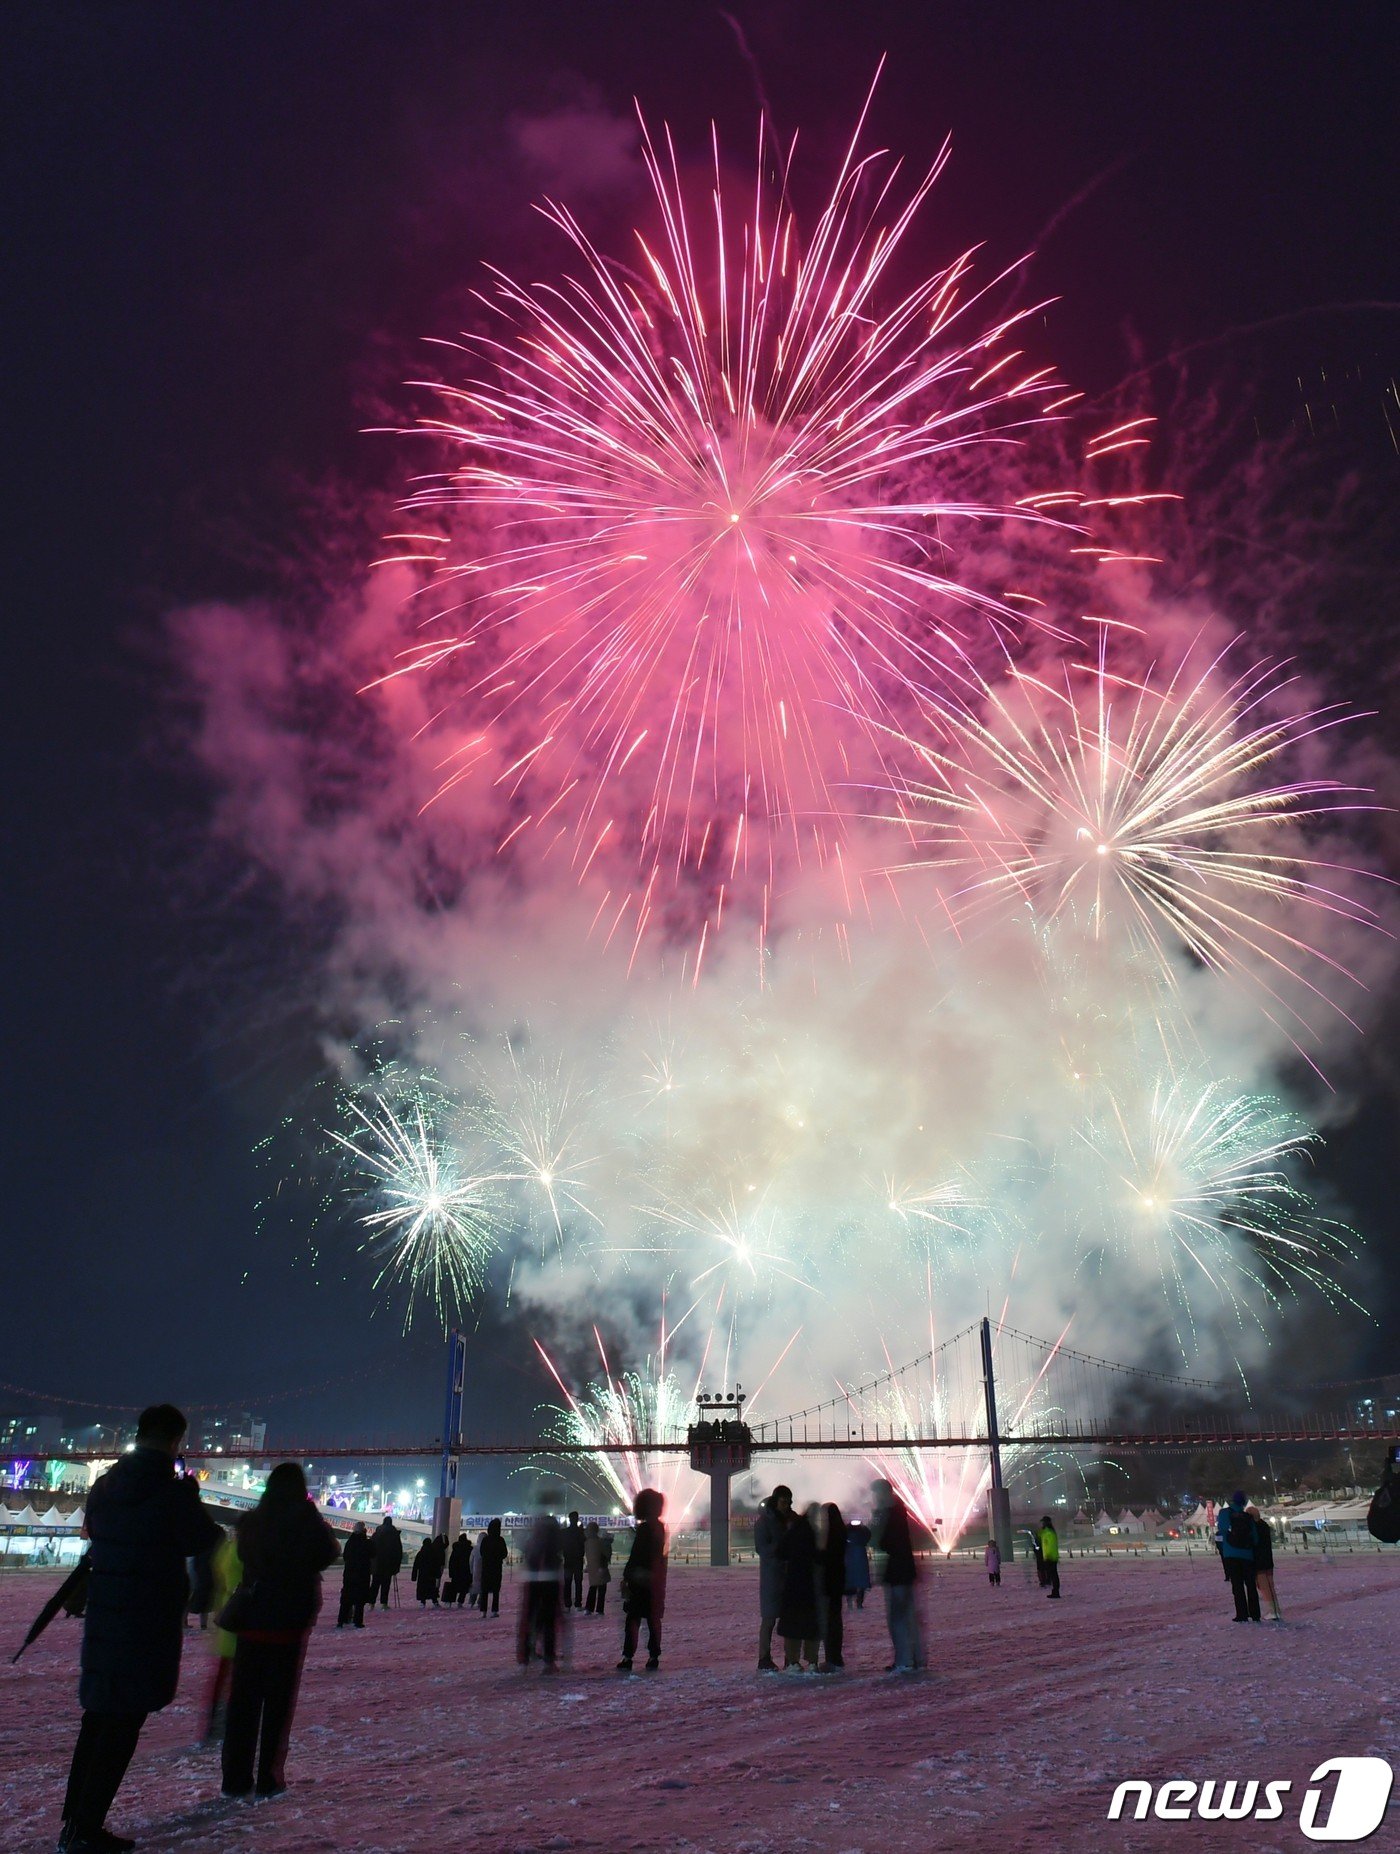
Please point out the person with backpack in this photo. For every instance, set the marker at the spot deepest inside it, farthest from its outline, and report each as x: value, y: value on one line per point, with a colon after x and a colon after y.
x: 1264, y: 1563
x: 1234, y: 1538
x: 1050, y: 1554
x: 285, y: 1545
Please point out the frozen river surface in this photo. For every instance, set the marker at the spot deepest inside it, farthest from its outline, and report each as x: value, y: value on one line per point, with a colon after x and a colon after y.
x: 421, y: 1736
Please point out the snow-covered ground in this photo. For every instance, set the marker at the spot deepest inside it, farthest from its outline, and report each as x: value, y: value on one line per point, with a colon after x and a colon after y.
x: 420, y: 1734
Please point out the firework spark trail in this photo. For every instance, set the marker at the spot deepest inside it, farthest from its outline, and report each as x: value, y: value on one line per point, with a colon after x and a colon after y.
x: 1150, y: 811
x: 541, y: 1130
x: 616, y: 1417
x: 1203, y: 1180
x: 690, y: 592
x: 945, y: 1487
x: 936, y: 1218
x: 431, y: 1225
x: 744, y: 1246
x: 705, y: 541
x: 1193, y: 1183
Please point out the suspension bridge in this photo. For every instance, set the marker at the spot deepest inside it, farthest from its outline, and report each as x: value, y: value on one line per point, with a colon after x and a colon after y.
x: 997, y: 1397
x: 1047, y: 1395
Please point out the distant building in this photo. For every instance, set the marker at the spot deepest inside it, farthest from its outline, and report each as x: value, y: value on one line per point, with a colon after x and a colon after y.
x: 218, y: 1431
x: 1374, y: 1412
x: 30, y: 1436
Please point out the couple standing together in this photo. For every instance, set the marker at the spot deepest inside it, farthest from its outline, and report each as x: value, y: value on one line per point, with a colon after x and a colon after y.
x: 803, y: 1577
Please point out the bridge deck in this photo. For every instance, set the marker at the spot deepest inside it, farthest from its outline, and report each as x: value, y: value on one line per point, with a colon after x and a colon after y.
x: 1186, y: 1435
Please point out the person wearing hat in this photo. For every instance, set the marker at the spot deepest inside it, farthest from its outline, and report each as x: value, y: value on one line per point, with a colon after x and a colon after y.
x: 1235, y: 1539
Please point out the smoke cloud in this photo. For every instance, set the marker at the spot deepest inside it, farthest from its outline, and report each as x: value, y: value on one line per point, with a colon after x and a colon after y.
x: 811, y: 1081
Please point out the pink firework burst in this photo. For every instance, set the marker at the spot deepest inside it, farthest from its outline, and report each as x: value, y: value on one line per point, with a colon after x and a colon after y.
x: 696, y: 533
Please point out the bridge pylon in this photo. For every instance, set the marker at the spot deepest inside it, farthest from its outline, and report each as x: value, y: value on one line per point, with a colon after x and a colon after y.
x: 998, y: 1499
x: 447, y: 1507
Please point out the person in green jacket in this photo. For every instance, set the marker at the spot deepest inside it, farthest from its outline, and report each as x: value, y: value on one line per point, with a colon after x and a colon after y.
x: 1050, y: 1553
x: 228, y: 1575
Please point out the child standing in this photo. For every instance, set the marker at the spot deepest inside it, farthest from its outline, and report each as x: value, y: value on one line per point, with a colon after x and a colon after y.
x: 992, y: 1559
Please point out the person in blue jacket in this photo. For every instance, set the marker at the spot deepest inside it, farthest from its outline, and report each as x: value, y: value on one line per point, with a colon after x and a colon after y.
x: 1234, y: 1540
x: 857, y: 1563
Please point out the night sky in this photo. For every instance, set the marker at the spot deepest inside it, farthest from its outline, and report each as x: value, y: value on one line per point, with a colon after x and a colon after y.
x: 227, y: 228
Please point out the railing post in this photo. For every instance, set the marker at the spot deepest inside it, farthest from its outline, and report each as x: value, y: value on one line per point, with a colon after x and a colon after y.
x: 998, y: 1500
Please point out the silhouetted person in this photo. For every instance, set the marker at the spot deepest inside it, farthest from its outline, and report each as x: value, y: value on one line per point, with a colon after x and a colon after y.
x: 1234, y: 1535
x: 494, y: 1555
x: 427, y: 1570
x: 542, y: 1590
x: 1042, y: 1575
x: 857, y: 1563
x: 644, y: 1581
x: 387, y: 1549
x: 1264, y: 1563
x: 774, y: 1515
x: 831, y: 1583
x: 459, y: 1571
x: 798, y: 1621
x: 285, y: 1545
x: 900, y: 1572
x: 357, y: 1579
x: 572, y: 1546
x: 597, y: 1561
x: 144, y: 1521
x: 1050, y: 1554
x: 201, y: 1595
